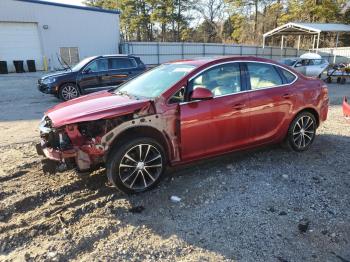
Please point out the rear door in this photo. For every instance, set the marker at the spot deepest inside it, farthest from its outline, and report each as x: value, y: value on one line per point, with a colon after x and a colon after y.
x: 302, y: 65
x: 272, y: 97
x: 121, y: 69
x: 316, y: 67
x: 94, y: 76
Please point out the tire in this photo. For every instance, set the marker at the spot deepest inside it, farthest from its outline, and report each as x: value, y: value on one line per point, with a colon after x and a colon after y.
x: 301, y: 132
x: 329, y: 79
x: 343, y: 81
x: 128, y: 172
x: 68, y: 91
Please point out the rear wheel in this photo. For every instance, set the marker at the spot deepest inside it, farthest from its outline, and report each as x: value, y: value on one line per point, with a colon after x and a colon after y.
x: 136, y: 166
x: 68, y: 91
x: 301, y: 132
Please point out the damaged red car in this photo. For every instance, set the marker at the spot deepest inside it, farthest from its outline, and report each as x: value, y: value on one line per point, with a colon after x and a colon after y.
x: 180, y: 112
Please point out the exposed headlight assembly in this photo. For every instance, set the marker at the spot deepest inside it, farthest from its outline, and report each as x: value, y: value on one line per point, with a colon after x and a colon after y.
x: 49, y: 80
x: 45, y: 125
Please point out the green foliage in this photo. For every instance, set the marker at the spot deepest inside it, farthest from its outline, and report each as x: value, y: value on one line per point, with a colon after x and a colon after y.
x: 237, y: 21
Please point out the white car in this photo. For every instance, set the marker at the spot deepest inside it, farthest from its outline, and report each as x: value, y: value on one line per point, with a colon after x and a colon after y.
x: 309, y: 64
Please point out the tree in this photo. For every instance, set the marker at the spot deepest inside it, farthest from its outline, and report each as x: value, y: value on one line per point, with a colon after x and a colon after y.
x: 238, y: 21
x: 213, y: 13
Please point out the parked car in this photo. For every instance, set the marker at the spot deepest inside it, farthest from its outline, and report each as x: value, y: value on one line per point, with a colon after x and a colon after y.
x: 309, y: 64
x: 180, y: 112
x: 90, y: 75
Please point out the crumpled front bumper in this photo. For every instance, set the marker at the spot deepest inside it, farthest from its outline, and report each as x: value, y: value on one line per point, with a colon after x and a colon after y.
x: 54, y: 154
x: 66, y: 148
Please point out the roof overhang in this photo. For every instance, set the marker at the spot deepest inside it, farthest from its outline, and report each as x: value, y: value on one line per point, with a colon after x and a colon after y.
x: 85, y: 8
x: 294, y: 28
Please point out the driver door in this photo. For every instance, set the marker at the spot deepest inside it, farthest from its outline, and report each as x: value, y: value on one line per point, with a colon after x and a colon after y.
x: 217, y: 125
x: 301, y: 66
x: 94, y: 77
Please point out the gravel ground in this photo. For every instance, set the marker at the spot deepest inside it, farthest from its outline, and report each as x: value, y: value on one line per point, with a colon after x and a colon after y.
x: 262, y: 205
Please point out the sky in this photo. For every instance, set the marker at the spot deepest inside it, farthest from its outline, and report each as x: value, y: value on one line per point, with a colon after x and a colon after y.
x: 69, y: 2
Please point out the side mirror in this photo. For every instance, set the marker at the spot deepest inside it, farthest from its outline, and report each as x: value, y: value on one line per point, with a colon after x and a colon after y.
x: 298, y: 64
x: 201, y: 93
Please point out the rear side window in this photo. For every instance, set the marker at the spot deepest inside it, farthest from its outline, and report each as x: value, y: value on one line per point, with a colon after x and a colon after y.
x: 288, y: 75
x: 122, y: 63
x: 263, y: 76
x: 317, y: 62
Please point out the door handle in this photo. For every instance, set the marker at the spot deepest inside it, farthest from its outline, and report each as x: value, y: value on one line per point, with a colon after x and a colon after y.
x: 287, y: 96
x: 238, y: 106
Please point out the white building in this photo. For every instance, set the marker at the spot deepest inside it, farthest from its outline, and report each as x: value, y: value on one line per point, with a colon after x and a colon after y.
x: 41, y: 31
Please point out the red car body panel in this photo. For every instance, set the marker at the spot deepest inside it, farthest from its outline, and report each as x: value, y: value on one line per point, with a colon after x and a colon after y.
x: 92, y: 107
x: 196, y: 129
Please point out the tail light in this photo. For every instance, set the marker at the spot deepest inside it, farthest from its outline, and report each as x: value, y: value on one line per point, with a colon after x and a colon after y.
x: 324, y: 91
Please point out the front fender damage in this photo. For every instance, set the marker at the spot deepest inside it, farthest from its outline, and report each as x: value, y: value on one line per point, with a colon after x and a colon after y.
x: 164, y: 124
x: 85, y: 145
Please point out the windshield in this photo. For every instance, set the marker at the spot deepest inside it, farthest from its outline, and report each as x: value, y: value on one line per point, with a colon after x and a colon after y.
x: 154, y: 82
x: 288, y: 62
x: 82, y: 63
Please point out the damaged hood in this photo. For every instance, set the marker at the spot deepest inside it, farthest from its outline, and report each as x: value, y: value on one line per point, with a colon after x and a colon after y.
x: 93, y: 107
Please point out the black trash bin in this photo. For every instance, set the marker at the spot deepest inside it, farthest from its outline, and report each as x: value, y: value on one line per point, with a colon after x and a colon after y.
x: 3, y: 67
x: 31, y: 66
x: 19, y: 66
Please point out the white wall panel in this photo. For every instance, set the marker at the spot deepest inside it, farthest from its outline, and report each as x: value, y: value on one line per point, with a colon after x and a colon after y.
x: 93, y: 32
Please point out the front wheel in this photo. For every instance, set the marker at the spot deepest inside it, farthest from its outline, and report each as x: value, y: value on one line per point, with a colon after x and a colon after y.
x: 136, y: 166
x: 68, y: 91
x: 301, y: 132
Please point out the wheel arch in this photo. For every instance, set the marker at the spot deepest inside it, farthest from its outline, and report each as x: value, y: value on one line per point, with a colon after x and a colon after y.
x: 142, y: 131
x: 312, y: 111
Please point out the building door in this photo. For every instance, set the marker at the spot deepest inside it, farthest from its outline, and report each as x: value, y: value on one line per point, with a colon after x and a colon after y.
x: 20, y: 41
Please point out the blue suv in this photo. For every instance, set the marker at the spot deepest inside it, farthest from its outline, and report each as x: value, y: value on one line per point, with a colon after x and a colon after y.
x: 90, y: 75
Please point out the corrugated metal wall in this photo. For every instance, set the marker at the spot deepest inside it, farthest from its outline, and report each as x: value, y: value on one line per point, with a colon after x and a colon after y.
x: 94, y: 33
x: 339, y: 54
x: 153, y: 53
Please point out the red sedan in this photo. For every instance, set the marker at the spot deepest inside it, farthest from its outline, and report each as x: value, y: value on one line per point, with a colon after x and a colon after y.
x: 180, y: 112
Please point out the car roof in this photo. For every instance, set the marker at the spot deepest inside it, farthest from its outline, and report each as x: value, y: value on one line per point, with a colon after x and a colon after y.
x: 201, y: 61
x: 117, y: 55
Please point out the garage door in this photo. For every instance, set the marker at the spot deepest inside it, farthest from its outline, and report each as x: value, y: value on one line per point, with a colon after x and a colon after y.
x: 20, y: 41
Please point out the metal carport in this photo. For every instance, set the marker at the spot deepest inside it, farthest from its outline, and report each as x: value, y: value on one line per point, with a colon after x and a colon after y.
x: 313, y: 29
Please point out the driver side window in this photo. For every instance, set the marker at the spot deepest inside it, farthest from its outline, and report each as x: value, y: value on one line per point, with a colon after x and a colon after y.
x: 220, y: 80
x: 97, y: 66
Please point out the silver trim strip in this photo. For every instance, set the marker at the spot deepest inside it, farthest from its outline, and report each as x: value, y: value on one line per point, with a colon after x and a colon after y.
x: 101, y: 88
x: 245, y: 91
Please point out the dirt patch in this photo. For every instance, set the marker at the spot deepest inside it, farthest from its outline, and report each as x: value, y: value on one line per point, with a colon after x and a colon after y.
x: 268, y: 204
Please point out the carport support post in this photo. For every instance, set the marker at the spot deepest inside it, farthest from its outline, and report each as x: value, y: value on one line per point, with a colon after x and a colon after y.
x: 318, y: 42
x: 313, y: 42
x: 263, y: 46
x: 298, y: 45
x: 263, y: 42
x: 282, y: 40
x: 336, y: 45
